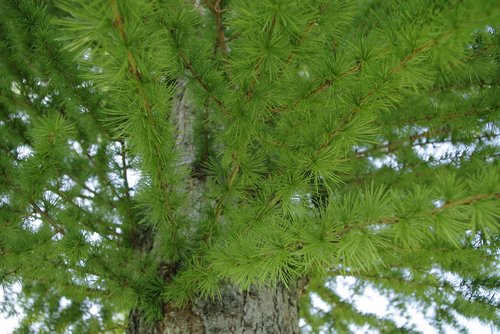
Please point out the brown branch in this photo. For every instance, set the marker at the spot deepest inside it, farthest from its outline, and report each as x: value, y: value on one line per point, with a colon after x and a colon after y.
x: 325, y: 84
x: 412, y: 55
x: 302, y: 38
x: 443, y: 117
x: 219, y: 203
x: 124, y: 170
x: 198, y: 78
x: 108, y: 229
x: 118, y: 22
x: 393, y: 220
x: 466, y: 201
x: 48, y: 219
x: 216, y: 9
x: 390, y: 145
x: 5, y: 274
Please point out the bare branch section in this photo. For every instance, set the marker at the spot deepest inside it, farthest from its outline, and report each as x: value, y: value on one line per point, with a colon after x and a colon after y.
x: 216, y: 9
x: 124, y: 169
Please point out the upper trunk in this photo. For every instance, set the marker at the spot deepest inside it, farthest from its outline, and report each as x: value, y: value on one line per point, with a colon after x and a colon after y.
x: 259, y: 310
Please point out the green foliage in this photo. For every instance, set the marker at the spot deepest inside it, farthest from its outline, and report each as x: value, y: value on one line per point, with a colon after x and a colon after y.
x: 269, y: 141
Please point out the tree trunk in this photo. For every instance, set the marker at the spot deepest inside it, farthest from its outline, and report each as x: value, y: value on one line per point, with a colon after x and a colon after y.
x: 259, y: 310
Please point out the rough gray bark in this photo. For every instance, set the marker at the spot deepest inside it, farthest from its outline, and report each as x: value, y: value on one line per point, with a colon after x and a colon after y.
x: 259, y: 311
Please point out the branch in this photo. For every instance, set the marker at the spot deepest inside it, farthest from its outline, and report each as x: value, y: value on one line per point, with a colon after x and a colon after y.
x: 360, y: 178
x: 393, y: 220
x: 395, y: 145
x: 412, y: 55
x: 124, y: 170
x: 251, y: 90
x: 148, y: 106
x: 91, y: 227
x: 444, y: 117
x: 215, y: 8
x: 203, y: 84
x: 346, y: 119
x: 48, y: 218
x: 327, y: 83
x: 5, y: 274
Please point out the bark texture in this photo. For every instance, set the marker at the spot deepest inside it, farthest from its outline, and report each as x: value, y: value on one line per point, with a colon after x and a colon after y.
x: 259, y: 311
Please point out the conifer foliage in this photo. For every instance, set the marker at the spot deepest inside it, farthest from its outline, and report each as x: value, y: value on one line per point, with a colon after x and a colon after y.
x: 153, y: 152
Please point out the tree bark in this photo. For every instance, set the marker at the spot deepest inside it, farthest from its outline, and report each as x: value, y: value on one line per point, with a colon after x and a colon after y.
x: 259, y: 311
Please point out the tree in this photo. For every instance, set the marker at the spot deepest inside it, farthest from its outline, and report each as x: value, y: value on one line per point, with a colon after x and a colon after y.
x: 278, y: 145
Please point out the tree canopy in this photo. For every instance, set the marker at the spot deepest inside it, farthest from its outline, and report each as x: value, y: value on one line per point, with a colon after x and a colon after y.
x: 152, y: 151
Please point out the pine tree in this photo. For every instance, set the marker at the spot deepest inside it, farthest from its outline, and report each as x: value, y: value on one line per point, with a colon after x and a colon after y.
x: 278, y: 145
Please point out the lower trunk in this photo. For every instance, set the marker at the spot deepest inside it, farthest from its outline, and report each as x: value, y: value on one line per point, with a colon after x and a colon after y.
x: 259, y: 310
